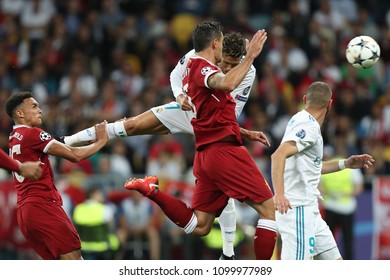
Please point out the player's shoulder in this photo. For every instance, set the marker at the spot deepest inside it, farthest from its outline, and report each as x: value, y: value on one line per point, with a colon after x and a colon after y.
x: 300, y: 118
x: 202, y: 66
x: 35, y: 132
x: 186, y: 57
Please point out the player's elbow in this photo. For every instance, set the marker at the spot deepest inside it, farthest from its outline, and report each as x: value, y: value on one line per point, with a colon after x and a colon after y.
x: 202, y: 231
x: 229, y: 86
x: 274, y: 156
x: 74, y: 159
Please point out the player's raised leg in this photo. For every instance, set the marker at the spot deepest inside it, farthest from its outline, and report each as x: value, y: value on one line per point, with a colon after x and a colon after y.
x: 145, y: 123
x: 194, y: 222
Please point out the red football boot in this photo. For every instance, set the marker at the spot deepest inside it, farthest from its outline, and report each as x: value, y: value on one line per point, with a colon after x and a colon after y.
x: 146, y: 186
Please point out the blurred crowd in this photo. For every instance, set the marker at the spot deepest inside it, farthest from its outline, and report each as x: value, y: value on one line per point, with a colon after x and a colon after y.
x: 93, y: 60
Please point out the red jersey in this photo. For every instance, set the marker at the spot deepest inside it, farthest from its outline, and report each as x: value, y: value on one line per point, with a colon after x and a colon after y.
x: 215, y: 116
x: 31, y: 144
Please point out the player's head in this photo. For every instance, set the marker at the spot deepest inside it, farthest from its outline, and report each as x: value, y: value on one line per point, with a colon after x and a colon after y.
x: 24, y: 109
x: 208, y: 34
x: 233, y: 49
x: 318, y: 96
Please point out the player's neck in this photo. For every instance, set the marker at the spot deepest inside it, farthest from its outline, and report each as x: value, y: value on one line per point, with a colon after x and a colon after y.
x: 207, y: 54
x: 319, y: 115
x: 21, y: 122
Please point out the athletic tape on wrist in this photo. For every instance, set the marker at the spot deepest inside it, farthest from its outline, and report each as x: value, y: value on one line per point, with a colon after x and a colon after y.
x: 342, y: 164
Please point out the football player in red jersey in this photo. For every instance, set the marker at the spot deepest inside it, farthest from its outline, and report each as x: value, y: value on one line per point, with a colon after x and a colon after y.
x: 28, y: 169
x: 222, y: 166
x: 40, y: 215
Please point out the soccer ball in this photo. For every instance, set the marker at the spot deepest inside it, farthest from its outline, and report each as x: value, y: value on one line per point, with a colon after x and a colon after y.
x: 362, y: 52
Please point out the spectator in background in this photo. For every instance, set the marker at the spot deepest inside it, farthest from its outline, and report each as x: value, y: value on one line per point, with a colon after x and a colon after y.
x: 137, y: 220
x: 94, y: 221
x: 41, y: 77
x: 78, y: 79
x: 109, y: 105
x: 26, y: 82
x: 35, y: 17
x: 166, y: 158
x: 339, y: 191
x: 118, y: 156
x: 73, y: 17
x: 12, y: 7
x: 7, y: 81
x: 128, y: 80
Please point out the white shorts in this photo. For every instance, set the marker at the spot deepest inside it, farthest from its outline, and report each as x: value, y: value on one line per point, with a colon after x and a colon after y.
x: 174, y: 118
x: 305, y: 235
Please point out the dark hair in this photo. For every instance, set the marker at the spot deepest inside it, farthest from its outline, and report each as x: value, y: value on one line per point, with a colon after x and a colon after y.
x: 204, y: 33
x: 318, y: 94
x: 234, y: 45
x: 92, y: 190
x: 15, y: 100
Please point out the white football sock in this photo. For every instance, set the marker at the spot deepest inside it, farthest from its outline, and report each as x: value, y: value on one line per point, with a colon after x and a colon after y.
x: 267, y: 224
x: 114, y: 130
x: 85, y: 135
x: 227, y: 222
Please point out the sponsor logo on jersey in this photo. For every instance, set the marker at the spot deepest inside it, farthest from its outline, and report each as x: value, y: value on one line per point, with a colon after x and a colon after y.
x: 44, y: 136
x: 246, y: 90
x: 301, y: 134
x: 159, y: 110
x: 205, y: 70
x: 182, y: 60
x: 291, y: 122
x: 241, y: 98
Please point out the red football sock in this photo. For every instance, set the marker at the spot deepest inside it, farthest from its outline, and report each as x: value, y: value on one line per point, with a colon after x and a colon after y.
x: 264, y: 243
x: 175, y: 209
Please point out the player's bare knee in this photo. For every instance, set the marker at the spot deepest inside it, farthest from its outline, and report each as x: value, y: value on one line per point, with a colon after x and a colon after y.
x: 74, y: 255
x: 267, y: 212
x: 202, y: 230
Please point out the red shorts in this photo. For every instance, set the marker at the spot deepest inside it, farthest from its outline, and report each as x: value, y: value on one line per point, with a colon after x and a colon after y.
x: 224, y: 170
x: 49, y: 230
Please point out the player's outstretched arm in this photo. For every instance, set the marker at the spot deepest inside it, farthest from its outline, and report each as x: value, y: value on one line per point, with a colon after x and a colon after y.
x: 76, y: 154
x: 355, y: 161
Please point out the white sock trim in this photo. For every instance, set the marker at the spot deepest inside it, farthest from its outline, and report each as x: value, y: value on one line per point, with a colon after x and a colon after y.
x: 267, y: 224
x: 190, y: 227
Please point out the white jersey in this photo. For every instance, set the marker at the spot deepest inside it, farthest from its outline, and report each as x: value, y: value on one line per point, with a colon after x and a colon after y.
x: 304, y: 233
x: 177, y: 120
x: 303, y: 170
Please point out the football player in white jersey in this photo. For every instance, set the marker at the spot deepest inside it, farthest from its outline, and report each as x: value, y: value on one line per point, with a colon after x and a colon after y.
x: 296, y: 170
x: 175, y: 117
